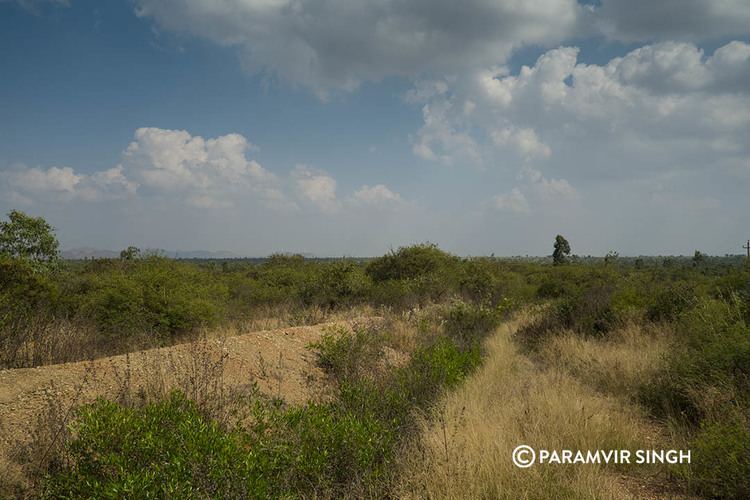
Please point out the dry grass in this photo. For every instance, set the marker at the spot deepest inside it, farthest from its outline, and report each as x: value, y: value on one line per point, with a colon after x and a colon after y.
x: 617, y: 365
x: 465, y: 450
x: 42, y: 341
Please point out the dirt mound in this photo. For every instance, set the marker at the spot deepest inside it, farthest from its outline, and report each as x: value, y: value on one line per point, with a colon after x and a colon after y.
x: 277, y: 361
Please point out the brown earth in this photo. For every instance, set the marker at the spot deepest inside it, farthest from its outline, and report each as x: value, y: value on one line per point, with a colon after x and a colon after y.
x: 278, y: 361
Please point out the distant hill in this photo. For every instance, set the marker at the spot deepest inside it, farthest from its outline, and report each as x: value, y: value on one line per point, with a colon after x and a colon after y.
x: 98, y: 253
x: 88, y: 253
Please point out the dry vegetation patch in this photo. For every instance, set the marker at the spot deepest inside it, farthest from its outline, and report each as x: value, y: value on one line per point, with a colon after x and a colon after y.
x: 465, y: 451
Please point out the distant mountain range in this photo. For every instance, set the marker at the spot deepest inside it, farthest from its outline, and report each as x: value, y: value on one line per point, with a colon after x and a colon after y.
x: 98, y: 253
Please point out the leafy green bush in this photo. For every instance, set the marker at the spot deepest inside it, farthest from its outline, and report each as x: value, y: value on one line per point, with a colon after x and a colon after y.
x: 720, y: 465
x: 166, y: 450
x: 670, y: 302
x: 154, y: 294
x: 713, y: 351
x: 468, y: 325
x: 338, y: 284
x: 348, y: 356
x: 409, y: 263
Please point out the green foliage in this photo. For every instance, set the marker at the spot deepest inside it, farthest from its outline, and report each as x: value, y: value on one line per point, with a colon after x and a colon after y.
x: 561, y: 250
x: 467, y: 325
x: 29, y: 238
x: 347, y: 355
x: 163, y: 450
x: 342, y: 448
x: 338, y: 284
x: 408, y: 263
x: 670, y: 302
x: 720, y: 465
x: 130, y: 253
x: 156, y: 295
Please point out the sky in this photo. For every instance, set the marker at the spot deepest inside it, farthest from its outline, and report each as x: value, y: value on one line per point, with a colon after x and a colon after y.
x: 351, y: 127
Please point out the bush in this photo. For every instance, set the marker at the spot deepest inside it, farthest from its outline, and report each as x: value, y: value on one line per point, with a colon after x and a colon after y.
x: 669, y: 303
x: 166, y: 449
x: 713, y: 351
x: 156, y: 295
x: 720, y: 465
x: 348, y: 356
x: 409, y: 263
x: 468, y: 325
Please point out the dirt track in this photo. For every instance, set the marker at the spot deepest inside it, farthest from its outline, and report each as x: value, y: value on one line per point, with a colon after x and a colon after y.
x: 278, y: 361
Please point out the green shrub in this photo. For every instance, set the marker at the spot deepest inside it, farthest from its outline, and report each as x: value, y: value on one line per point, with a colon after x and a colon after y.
x: 409, y: 263
x: 468, y: 325
x: 153, y: 295
x: 339, y: 284
x: 670, y: 302
x: 348, y: 356
x: 720, y: 465
x: 164, y: 450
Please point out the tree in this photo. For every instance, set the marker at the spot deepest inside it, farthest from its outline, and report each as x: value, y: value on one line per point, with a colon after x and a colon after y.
x: 698, y: 258
x: 611, y: 257
x: 130, y: 253
x: 562, y: 250
x: 29, y: 238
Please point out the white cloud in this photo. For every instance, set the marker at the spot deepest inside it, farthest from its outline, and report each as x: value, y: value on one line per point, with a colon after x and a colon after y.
x: 439, y: 139
x: 632, y: 20
x: 660, y: 107
x: 172, y: 164
x: 64, y: 184
x: 174, y: 160
x: 548, y: 189
x: 377, y: 196
x: 316, y: 187
x: 337, y: 44
x: 514, y: 201
x: 524, y: 140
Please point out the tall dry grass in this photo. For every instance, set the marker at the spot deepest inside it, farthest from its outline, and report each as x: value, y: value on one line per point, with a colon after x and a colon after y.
x: 616, y: 365
x: 465, y: 449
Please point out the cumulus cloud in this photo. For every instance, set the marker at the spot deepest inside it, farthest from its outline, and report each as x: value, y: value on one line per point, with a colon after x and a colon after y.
x: 64, y: 184
x: 513, y: 201
x: 337, y: 44
x: 634, y: 20
x: 174, y: 164
x: 377, y: 196
x: 662, y: 106
x: 206, y: 171
x: 316, y: 187
x: 524, y: 140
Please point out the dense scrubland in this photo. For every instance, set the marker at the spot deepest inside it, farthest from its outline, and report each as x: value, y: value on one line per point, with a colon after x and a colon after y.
x: 582, y: 353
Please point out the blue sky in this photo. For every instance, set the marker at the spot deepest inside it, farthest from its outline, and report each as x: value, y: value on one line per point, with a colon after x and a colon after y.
x: 347, y: 128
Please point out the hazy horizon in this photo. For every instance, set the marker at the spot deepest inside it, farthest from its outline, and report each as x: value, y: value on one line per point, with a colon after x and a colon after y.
x: 349, y: 128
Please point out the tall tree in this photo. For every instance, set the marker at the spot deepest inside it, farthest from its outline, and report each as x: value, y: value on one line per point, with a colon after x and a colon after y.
x: 562, y: 250
x: 28, y: 238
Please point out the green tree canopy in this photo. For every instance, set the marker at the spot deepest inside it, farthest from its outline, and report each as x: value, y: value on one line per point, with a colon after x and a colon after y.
x: 562, y: 250
x: 28, y: 238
